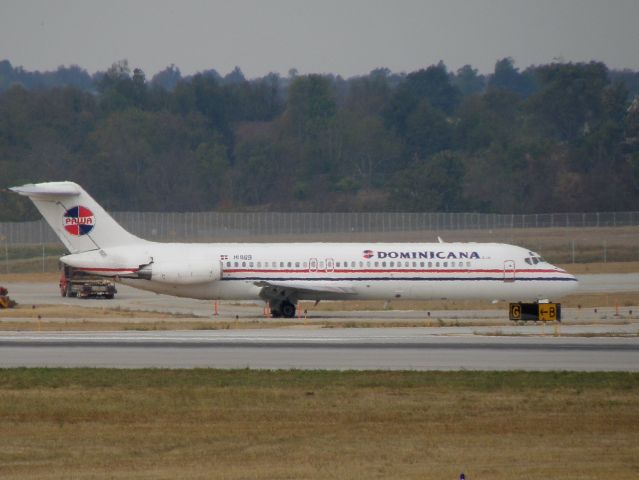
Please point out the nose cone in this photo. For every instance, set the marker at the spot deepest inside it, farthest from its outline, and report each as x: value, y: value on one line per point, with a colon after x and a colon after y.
x: 574, y: 282
x: 569, y: 282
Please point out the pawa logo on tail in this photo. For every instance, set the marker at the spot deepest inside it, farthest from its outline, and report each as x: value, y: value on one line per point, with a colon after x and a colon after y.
x: 79, y: 220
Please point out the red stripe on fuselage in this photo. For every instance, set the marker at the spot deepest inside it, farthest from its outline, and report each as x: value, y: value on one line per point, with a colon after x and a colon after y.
x: 405, y: 270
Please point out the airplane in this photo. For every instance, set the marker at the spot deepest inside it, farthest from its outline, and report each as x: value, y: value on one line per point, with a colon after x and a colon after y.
x: 282, y: 274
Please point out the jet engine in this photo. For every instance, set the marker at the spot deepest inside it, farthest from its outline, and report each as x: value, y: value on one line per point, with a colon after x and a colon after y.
x: 181, y: 273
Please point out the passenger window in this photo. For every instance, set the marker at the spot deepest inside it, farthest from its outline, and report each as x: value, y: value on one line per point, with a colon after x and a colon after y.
x: 430, y: 264
x: 437, y: 264
x: 236, y: 264
x: 305, y: 265
x: 368, y: 264
x: 228, y: 264
x: 392, y: 264
x: 259, y: 264
x: 297, y: 264
x: 244, y: 264
x: 281, y: 264
x: 353, y: 264
x: 383, y: 264
x: 289, y: 264
x: 251, y: 264
x: 337, y: 264
x: 377, y: 264
x: 468, y: 264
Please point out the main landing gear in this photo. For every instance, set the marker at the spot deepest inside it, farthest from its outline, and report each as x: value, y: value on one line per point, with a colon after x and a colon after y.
x: 282, y: 308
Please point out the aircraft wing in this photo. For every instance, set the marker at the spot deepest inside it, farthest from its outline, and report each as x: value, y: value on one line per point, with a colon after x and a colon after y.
x: 302, y: 289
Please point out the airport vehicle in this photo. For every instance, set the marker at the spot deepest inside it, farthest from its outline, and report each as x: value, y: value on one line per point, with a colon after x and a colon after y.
x: 5, y: 301
x: 284, y: 273
x: 78, y: 283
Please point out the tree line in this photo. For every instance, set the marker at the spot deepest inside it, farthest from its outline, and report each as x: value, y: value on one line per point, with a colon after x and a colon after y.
x: 549, y: 138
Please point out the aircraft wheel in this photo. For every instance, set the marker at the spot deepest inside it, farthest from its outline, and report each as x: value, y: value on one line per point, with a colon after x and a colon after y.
x: 288, y: 309
x: 275, y: 309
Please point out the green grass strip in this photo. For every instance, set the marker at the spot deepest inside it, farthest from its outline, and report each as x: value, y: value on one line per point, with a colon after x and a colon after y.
x: 26, y: 378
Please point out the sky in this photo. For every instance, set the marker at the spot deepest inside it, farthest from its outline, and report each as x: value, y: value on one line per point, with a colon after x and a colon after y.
x: 343, y: 37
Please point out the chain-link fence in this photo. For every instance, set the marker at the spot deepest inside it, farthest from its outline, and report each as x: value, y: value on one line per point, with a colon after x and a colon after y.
x: 246, y: 226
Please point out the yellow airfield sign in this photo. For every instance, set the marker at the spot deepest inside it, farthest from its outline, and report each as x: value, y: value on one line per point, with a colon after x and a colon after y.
x: 543, y: 312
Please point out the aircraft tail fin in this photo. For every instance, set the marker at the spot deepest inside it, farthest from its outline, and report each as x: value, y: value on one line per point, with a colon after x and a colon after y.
x: 76, y: 218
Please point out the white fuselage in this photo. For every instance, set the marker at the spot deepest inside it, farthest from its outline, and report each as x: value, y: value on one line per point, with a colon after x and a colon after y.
x: 317, y: 271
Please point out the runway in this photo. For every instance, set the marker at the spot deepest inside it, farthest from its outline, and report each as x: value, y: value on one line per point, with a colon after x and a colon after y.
x: 343, y: 349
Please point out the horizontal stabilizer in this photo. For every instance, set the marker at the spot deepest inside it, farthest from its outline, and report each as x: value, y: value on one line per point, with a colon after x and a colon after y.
x: 50, y: 190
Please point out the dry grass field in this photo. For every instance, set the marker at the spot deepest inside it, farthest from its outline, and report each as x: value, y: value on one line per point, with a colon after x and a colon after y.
x: 160, y: 424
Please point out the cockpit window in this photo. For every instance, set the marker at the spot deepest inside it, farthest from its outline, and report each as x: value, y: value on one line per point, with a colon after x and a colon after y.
x: 534, y: 259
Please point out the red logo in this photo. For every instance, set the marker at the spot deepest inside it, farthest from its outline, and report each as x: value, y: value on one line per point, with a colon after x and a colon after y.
x: 368, y: 254
x: 79, y: 221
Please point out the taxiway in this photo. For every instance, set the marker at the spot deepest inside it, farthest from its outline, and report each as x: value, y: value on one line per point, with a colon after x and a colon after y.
x: 343, y: 349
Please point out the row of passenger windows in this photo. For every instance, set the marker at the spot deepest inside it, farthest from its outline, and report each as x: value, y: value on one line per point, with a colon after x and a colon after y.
x: 268, y: 264
x: 360, y: 264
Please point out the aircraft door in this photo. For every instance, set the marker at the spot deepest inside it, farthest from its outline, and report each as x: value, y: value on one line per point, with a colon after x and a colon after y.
x: 509, y: 271
x: 330, y: 265
x: 312, y: 265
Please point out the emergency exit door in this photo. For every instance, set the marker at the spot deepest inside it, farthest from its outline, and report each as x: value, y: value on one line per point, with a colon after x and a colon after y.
x: 509, y: 271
